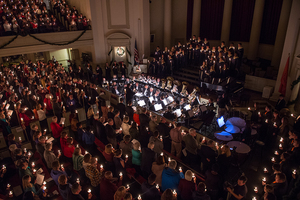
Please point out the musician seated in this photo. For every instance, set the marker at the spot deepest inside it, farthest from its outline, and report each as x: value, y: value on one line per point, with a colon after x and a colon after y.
x: 158, y: 83
x: 114, y: 78
x: 115, y: 90
x: 174, y: 89
x: 146, y: 91
x: 105, y: 84
x: 151, y: 92
x: 210, y: 102
x: 136, y: 87
x: 184, y: 93
x: 169, y: 114
x: 122, y: 79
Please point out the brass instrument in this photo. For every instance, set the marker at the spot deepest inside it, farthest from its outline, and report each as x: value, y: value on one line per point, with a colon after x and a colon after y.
x: 176, y: 85
x: 163, y: 83
x: 169, y: 83
x: 184, y: 88
x: 192, y: 96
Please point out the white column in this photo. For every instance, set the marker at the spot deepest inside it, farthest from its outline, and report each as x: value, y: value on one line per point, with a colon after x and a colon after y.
x: 196, y: 18
x: 281, y: 31
x: 255, y: 29
x: 226, y: 21
x: 295, y: 91
x: 98, y: 31
x: 167, y: 23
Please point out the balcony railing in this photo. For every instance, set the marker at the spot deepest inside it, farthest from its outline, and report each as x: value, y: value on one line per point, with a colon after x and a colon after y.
x: 29, y: 44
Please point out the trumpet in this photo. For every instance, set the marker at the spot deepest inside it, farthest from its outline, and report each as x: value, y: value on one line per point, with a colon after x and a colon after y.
x: 163, y: 83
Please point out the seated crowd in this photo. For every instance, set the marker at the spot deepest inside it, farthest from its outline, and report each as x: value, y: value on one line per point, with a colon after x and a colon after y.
x: 101, y: 157
x: 25, y: 16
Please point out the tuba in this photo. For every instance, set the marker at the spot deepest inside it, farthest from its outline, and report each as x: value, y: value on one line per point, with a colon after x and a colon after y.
x: 176, y: 85
x: 192, y: 96
x: 169, y: 83
x: 163, y: 83
x: 184, y: 88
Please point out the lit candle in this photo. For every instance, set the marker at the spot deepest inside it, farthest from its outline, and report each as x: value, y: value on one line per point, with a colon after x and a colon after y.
x: 62, y: 166
x: 34, y: 170
x: 21, y: 119
x: 273, y: 159
x: 276, y: 152
x: 121, y: 174
x: 292, y: 115
x: 29, y: 154
x: 147, y: 128
x: 157, y: 186
x: 45, y: 130
x: 10, y: 193
x: 96, y: 159
x: 126, y: 156
x: 33, y: 164
x: 280, y: 145
x: 59, y: 151
x: 78, y: 180
x: 44, y: 183
x: 264, y: 179
x: 266, y: 120
x: 193, y: 175
x: 180, y: 169
x: 255, y: 189
x: 265, y: 170
x: 161, y: 137
x: 8, y: 185
x: 174, y: 192
x: 203, y: 140
x: 89, y: 190
x: 254, y: 198
x: 101, y: 166
x: 295, y: 171
x: 20, y: 139
x: 281, y: 139
x: 249, y: 108
x: 86, y: 152
x: 169, y: 159
x: 139, y: 197
x: 259, y: 113
x: 161, y: 154
x: 127, y: 187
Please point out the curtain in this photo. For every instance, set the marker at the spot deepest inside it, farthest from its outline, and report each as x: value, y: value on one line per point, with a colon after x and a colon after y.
x: 189, y: 22
x: 241, y: 20
x: 272, y: 10
x: 211, y: 19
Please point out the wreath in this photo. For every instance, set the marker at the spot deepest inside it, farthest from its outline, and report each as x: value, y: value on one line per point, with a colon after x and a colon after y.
x: 120, y: 51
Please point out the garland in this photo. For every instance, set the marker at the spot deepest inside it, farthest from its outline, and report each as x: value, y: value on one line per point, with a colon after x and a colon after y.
x: 129, y: 62
x: 128, y: 52
x: 7, y: 43
x: 291, y: 103
x: 60, y: 44
x: 110, y: 51
x: 295, y: 82
x: 123, y: 51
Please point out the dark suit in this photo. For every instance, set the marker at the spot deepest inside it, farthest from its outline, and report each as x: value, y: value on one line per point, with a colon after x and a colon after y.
x: 148, y: 157
x: 207, y: 153
x: 144, y: 120
x: 100, y: 130
x: 122, y: 108
x: 130, y: 112
x: 280, y: 104
x: 111, y: 135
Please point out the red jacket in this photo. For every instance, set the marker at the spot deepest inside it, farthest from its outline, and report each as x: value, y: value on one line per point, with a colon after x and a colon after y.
x: 56, y: 129
x: 48, y: 104
x: 136, y: 118
x: 63, y: 143
x: 26, y: 119
x: 68, y: 151
x: 108, y: 189
x: 186, y: 189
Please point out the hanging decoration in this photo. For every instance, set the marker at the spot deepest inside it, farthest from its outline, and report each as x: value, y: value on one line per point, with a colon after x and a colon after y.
x: 110, y: 51
x: 295, y: 82
x: 7, y: 43
x: 45, y: 42
x: 128, y: 51
x: 120, y: 51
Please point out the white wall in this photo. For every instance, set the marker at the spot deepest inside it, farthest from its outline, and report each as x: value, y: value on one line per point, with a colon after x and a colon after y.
x: 62, y: 56
x: 83, y: 6
x: 179, y: 17
x: 157, y: 23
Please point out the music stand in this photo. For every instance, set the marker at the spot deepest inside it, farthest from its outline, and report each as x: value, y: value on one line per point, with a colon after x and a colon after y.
x: 157, y: 107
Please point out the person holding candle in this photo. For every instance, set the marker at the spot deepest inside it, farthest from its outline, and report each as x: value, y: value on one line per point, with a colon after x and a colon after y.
x: 208, y: 155
x: 24, y: 169
x: 191, y: 148
x: 280, y: 185
x: 126, y: 147
x: 136, y: 156
x: 157, y: 168
x: 42, y: 116
x: 12, y: 140
x: 149, y: 191
x: 158, y: 143
x: 49, y: 156
x: 77, y: 158
x: 107, y: 187
x: 187, y: 185
x: 63, y: 186
x: 75, y: 193
x: 68, y: 150
x: 171, y: 177
x: 88, y: 139
x: 25, y: 120
x: 93, y: 174
x: 56, y: 128
x: 169, y: 195
x: 119, y: 162
x: 200, y: 193
x: 40, y: 146
x: 56, y: 171
x: 63, y: 140
x: 240, y: 190
x: 28, y: 186
x: 148, y: 157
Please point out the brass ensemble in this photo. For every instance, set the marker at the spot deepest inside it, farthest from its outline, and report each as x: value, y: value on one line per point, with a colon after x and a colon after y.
x: 176, y: 85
